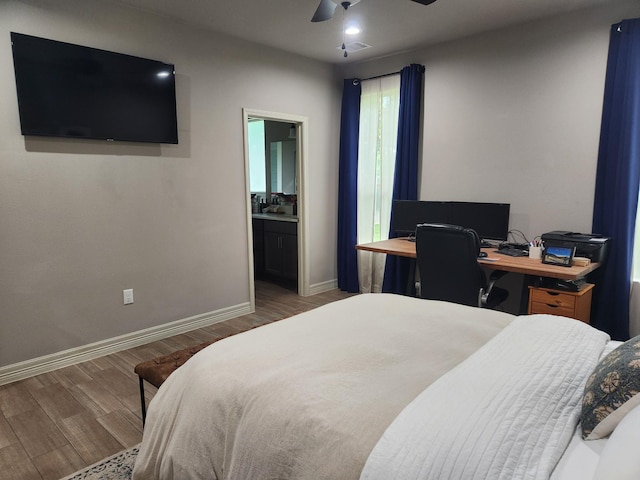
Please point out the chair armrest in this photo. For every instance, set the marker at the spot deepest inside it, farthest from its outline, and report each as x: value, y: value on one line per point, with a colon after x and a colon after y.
x: 493, y: 278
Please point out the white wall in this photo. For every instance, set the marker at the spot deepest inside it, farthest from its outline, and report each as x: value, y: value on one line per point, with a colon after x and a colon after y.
x: 509, y: 116
x: 514, y: 116
x: 82, y: 220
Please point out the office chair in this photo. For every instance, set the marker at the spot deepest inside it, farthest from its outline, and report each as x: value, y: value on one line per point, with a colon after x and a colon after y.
x: 447, y: 260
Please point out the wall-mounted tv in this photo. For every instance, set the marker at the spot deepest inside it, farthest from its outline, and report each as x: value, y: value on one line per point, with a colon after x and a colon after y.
x: 67, y: 90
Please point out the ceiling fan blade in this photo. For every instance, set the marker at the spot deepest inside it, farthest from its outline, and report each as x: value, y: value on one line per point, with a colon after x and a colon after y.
x: 324, y: 11
x: 424, y: 2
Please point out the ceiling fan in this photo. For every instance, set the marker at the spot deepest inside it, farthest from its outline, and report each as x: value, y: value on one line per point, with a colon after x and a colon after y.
x: 327, y: 8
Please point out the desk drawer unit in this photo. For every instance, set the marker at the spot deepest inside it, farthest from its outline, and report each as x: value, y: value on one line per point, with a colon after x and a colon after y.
x: 555, y: 302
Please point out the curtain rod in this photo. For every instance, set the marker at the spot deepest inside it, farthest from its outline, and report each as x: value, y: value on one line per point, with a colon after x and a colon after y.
x: 358, y: 80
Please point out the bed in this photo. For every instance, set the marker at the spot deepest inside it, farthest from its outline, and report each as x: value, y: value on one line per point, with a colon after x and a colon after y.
x: 381, y: 386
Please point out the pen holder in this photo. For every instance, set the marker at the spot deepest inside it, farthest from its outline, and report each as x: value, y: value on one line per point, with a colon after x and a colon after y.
x: 535, y: 253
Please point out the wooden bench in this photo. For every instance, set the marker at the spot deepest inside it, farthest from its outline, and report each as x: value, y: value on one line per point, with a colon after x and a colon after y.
x: 157, y: 370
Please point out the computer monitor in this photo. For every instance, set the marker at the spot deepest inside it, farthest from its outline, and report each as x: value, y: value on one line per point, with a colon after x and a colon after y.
x: 489, y: 220
x: 406, y: 214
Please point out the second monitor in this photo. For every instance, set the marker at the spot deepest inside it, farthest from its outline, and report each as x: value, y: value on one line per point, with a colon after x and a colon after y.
x: 489, y: 220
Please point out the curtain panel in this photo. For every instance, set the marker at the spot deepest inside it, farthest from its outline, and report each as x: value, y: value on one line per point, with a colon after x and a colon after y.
x: 347, y: 187
x: 379, y: 103
x: 618, y: 178
x: 405, y: 186
x: 405, y: 177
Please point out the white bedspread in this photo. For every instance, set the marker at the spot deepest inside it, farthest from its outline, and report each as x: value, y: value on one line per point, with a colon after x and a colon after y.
x: 307, y: 397
x: 507, y: 412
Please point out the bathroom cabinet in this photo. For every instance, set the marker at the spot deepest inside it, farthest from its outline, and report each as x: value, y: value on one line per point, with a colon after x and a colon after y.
x: 275, y: 249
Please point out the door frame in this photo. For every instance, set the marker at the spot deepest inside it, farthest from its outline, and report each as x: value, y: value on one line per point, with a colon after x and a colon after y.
x: 302, y: 124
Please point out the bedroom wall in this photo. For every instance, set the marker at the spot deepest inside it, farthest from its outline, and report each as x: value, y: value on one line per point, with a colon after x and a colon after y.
x: 83, y: 220
x: 510, y: 116
x: 514, y: 116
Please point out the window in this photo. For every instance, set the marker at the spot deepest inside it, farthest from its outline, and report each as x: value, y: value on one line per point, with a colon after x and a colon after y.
x: 379, y: 108
x: 257, y: 175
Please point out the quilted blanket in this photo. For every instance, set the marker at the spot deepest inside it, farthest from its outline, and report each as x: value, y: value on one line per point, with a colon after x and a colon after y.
x: 507, y: 412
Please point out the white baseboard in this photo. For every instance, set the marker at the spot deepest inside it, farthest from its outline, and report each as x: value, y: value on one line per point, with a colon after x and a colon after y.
x: 47, y: 363
x: 323, y: 287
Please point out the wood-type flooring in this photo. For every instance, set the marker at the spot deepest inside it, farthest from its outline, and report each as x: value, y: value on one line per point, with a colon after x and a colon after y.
x: 56, y: 423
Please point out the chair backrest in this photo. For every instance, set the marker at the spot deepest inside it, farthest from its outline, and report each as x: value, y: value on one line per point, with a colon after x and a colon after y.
x: 447, y: 260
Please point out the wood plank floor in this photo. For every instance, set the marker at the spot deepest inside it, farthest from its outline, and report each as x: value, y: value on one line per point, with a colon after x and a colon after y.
x: 54, y: 424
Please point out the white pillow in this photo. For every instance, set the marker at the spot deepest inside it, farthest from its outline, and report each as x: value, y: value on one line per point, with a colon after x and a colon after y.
x: 620, y: 459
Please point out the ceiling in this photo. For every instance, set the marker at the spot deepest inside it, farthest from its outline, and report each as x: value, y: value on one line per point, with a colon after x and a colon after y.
x: 388, y: 26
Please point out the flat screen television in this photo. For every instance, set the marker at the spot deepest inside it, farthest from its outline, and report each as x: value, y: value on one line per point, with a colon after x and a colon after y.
x: 67, y: 90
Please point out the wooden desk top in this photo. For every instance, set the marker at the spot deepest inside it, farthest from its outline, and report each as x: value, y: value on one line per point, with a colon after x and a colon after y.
x: 494, y: 260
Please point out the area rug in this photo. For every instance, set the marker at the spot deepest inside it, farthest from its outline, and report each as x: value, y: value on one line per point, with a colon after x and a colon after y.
x: 116, y: 467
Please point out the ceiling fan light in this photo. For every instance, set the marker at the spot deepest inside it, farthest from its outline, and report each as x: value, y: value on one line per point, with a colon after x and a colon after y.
x: 352, y: 30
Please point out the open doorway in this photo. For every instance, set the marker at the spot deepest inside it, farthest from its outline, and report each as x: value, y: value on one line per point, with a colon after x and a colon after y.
x: 275, y: 152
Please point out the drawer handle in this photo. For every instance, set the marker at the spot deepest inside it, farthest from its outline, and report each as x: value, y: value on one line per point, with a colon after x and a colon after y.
x: 554, y: 294
x: 552, y: 306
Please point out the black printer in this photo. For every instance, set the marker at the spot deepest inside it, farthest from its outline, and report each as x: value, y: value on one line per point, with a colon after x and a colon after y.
x: 589, y: 245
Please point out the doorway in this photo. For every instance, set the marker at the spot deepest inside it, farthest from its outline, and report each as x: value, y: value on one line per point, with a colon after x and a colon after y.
x: 282, y: 181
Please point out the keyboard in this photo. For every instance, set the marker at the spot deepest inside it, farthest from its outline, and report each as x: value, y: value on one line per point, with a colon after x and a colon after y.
x: 513, y: 252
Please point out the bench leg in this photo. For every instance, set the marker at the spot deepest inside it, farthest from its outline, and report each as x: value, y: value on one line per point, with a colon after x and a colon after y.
x: 142, y: 402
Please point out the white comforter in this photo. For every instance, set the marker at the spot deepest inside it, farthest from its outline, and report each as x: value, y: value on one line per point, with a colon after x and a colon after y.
x: 310, y: 397
x: 507, y: 412
x: 307, y: 397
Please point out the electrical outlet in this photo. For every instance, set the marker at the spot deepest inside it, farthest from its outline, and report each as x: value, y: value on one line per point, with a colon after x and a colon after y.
x: 127, y: 296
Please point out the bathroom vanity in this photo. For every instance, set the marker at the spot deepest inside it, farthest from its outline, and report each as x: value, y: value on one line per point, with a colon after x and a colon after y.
x: 275, y: 247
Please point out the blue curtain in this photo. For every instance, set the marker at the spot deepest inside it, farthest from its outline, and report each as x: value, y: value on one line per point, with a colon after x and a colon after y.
x: 348, y: 187
x: 618, y: 177
x: 405, y: 182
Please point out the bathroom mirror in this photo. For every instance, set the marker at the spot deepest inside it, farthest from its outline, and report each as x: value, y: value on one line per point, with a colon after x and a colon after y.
x: 282, y: 161
x: 272, y: 157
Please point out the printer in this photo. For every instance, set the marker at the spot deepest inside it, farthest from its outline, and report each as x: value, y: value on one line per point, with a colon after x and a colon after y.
x: 589, y: 245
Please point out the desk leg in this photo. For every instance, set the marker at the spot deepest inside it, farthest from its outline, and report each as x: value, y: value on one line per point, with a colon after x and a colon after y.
x: 411, y: 279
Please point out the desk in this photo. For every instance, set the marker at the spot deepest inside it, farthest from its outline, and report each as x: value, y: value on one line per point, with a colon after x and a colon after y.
x: 493, y: 261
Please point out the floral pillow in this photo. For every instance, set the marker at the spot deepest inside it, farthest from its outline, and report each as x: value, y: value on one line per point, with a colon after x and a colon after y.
x: 613, y: 389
